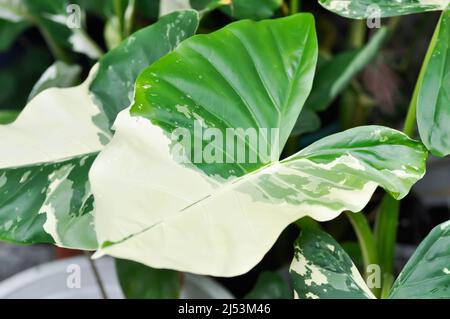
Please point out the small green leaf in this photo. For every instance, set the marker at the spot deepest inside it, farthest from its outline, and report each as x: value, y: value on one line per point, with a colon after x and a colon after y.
x: 361, y: 9
x: 59, y: 75
x: 433, y: 104
x: 252, y: 9
x: 270, y: 285
x: 142, y: 282
x: 427, y: 273
x: 321, y: 269
x: 332, y: 77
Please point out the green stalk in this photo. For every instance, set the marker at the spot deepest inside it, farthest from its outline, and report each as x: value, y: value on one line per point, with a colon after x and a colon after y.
x: 366, y: 241
x: 410, y: 122
x: 386, y: 226
x: 57, y: 51
x: 387, y: 218
x: 119, y: 12
x: 295, y: 6
x: 358, y: 31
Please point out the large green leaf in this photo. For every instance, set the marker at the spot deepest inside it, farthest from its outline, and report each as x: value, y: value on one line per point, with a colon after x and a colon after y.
x: 361, y: 9
x: 321, y: 269
x: 51, y: 17
x: 332, y: 77
x: 433, y: 104
x: 142, y: 282
x: 60, y: 75
x: 45, y: 193
x: 427, y: 273
x: 220, y: 217
x: 270, y: 286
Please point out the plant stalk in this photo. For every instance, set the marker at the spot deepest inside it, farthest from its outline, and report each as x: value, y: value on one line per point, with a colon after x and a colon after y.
x: 366, y: 241
x: 295, y: 6
x: 98, y: 279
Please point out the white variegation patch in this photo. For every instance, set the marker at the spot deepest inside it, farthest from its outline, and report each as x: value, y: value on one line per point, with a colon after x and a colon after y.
x: 169, y: 6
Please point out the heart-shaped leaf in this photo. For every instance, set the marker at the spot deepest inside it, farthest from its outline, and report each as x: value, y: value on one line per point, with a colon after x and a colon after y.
x: 46, y: 154
x: 321, y: 269
x: 222, y: 210
x: 361, y: 9
x: 427, y: 273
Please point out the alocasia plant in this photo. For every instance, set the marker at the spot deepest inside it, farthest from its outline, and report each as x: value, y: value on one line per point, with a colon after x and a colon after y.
x: 108, y: 165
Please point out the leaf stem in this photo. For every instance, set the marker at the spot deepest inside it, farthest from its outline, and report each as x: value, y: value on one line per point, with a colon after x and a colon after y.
x: 57, y: 51
x: 119, y: 12
x: 387, y: 219
x: 410, y: 122
x: 295, y: 6
x: 96, y: 273
x: 358, y: 31
x: 366, y: 242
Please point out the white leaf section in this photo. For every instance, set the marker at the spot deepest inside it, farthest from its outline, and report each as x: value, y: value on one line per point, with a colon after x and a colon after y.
x: 171, y: 216
x: 55, y: 125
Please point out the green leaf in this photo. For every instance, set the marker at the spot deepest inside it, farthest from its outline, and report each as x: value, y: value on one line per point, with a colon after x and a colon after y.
x: 221, y: 216
x: 114, y: 83
x: 142, y: 282
x: 333, y: 76
x: 270, y: 285
x: 321, y: 269
x: 427, y: 273
x: 59, y: 74
x: 51, y: 17
x: 9, y: 31
x: 45, y: 194
x: 433, y: 104
x: 361, y: 9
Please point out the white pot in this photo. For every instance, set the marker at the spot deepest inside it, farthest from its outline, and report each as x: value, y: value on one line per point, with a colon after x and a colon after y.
x: 50, y: 281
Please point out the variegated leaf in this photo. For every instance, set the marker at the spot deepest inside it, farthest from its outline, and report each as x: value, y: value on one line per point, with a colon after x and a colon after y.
x: 361, y: 9
x: 321, y: 269
x: 220, y: 217
x: 427, y: 273
x: 45, y: 156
